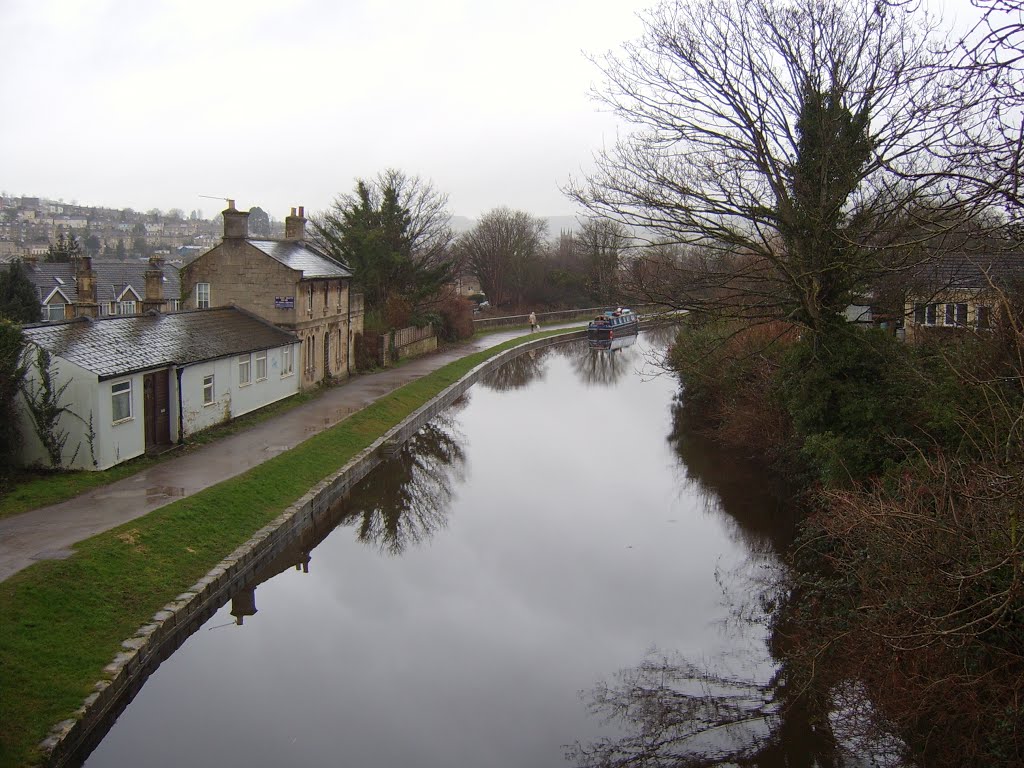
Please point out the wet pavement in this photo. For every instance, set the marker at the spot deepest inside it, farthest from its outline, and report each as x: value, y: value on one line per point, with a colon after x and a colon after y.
x: 49, y: 532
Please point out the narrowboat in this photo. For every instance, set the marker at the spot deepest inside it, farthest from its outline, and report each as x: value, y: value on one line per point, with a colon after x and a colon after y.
x: 614, y: 322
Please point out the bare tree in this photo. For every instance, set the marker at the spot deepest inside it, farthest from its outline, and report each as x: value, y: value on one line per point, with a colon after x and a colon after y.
x: 994, y: 48
x: 601, y: 245
x: 499, y: 251
x: 804, y: 147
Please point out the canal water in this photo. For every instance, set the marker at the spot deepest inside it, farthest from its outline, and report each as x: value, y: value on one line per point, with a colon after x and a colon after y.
x: 545, y: 573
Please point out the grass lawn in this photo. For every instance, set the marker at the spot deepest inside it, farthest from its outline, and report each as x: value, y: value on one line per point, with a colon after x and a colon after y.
x: 64, y: 620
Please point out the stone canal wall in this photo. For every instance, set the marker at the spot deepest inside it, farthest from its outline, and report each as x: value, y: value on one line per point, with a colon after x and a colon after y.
x: 70, y: 742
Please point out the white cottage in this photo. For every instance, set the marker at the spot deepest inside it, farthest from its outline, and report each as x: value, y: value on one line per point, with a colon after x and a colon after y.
x: 139, y: 384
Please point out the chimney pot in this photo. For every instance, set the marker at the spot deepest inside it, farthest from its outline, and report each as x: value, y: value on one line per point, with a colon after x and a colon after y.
x: 295, y: 226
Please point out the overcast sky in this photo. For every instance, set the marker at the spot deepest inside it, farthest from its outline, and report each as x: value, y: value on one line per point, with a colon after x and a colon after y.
x: 280, y: 103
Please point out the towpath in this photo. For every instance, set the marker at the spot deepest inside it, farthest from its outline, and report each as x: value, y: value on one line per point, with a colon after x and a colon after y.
x: 50, y: 532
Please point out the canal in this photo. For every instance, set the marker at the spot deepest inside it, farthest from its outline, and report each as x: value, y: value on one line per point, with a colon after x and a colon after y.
x: 544, y: 571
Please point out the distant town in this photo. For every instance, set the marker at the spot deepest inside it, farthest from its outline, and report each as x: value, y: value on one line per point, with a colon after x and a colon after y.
x: 30, y: 225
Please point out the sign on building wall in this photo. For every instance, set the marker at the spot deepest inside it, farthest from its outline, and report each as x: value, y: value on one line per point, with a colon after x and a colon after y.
x: 284, y: 302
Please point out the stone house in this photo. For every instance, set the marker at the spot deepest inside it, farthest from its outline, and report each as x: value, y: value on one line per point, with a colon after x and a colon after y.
x: 961, y: 291
x: 289, y: 282
x: 141, y: 383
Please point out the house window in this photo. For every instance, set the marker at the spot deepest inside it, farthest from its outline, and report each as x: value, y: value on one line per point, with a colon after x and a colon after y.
x: 960, y: 316
x: 919, y: 314
x: 126, y: 307
x: 287, y: 363
x: 983, y: 317
x: 173, y: 305
x: 121, y: 400
x: 54, y: 312
x: 327, y: 297
x: 929, y: 314
x: 261, y: 365
x: 309, y: 298
x: 202, y: 295
x: 309, y: 360
x: 208, y: 389
x: 244, y: 370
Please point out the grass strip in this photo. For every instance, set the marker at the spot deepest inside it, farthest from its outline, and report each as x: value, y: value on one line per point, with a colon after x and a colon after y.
x: 62, y: 621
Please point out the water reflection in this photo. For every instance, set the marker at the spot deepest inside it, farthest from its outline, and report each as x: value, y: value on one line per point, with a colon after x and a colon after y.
x: 676, y: 713
x: 406, y: 500
x: 778, y: 711
x: 552, y: 573
x: 519, y: 372
x: 602, y: 362
x: 403, y: 502
x: 759, y: 507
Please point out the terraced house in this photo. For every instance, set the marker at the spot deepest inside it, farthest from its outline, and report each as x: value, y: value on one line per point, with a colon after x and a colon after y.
x: 90, y: 287
x: 289, y: 282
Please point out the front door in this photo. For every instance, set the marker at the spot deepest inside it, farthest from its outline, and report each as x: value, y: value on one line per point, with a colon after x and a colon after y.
x: 157, y: 411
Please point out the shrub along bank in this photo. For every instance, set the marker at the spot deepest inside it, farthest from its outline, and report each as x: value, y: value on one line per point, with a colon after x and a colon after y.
x: 64, y: 620
x: 909, y: 574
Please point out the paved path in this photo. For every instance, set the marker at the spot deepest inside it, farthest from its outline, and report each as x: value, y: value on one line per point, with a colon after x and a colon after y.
x: 49, y: 532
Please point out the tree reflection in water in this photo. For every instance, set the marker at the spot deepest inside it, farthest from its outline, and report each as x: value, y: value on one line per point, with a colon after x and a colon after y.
x: 672, y: 712
x: 405, y: 501
x: 601, y: 362
x: 677, y: 714
x: 402, y: 502
x: 517, y: 372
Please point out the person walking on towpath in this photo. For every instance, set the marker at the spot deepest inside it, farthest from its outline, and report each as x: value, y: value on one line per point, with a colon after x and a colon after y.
x: 533, y: 322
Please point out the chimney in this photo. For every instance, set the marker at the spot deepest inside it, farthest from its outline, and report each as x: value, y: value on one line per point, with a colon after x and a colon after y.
x: 236, y: 223
x: 86, y: 306
x: 154, y: 285
x: 295, y: 226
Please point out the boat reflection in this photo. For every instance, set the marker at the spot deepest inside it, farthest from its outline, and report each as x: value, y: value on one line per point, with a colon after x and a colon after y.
x: 613, y: 344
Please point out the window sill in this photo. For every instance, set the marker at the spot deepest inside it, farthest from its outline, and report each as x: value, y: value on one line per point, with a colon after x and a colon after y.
x: 122, y: 421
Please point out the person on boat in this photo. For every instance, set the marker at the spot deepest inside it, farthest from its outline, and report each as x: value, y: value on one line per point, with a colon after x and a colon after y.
x: 533, y: 322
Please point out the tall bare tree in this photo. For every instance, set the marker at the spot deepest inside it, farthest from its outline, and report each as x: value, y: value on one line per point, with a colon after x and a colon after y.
x: 994, y: 47
x: 803, y: 147
x: 500, y: 250
x: 601, y: 246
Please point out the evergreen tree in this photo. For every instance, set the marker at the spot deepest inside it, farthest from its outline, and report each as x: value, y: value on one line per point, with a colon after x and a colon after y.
x: 19, y: 301
x: 12, y: 375
x: 66, y: 248
x: 393, y: 233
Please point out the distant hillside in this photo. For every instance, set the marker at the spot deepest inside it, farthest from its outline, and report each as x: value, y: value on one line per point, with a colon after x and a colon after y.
x: 556, y: 224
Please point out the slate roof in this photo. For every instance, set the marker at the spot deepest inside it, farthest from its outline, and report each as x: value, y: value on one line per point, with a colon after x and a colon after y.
x: 112, y: 277
x: 973, y: 271
x: 303, y: 257
x: 294, y: 254
x: 118, y: 346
